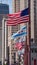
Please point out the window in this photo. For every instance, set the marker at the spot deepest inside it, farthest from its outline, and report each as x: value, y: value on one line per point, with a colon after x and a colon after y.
x: 32, y: 58
x: 31, y: 50
x: 35, y: 50
x: 12, y: 57
x: 17, y: 5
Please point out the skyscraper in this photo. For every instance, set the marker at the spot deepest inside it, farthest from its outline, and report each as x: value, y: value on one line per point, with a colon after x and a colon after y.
x: 33, y: 11
x: 35, y: 20
x: 4, y: 9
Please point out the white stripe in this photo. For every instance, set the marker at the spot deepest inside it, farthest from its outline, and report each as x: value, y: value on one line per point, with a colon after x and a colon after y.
x: 16, y: 21
x: 9, y: 24
x: 14, y: 18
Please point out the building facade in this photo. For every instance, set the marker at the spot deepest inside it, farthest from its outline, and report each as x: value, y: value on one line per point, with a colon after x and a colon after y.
x: 33, y: 10
x: 33, y: 54
x: 19, y: 5
x: 4, y: 9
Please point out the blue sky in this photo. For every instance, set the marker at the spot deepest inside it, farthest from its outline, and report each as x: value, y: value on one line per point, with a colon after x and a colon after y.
x: 8, y: 2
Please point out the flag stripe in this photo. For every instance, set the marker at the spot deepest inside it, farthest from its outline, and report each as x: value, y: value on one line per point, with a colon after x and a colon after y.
x: 16, y: 21
x: 19, y: 35
x: 18, y: 46
x: 11, y: 24
x: 12, y: 17
x: 15, y: 14
x: 18, y: 18
x: 19, y: 21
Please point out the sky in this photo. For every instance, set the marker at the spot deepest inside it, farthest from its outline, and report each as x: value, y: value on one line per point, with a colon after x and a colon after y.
x: 9, y: 2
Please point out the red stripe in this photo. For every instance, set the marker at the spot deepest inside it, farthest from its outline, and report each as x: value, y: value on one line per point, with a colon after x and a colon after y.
x: 13, y: 22
x: 13, y: 14
x: 9, y: 19
x: 14, y: 17
x: 9, y: 24
x: 18, y: 45
x: 20, y: 18
x: 17, y: 20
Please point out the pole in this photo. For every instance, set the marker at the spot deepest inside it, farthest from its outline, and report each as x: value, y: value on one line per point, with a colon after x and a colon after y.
x: 10, y: 45
x: 29, y: 33
x: 5, y: 44
x: 26, y: 52
x: 2, y: 41
x: 5, y: 40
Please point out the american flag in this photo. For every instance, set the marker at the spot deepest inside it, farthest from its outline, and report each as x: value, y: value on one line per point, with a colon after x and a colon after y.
x: 18, y: 18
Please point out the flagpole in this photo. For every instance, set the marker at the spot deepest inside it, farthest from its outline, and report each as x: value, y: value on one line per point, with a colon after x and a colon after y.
x: 29, y: 50
x: 3, y: 41
x: 26, y: 54
x: 5, y: 45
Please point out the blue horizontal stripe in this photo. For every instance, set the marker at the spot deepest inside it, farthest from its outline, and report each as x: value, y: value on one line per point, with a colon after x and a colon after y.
x: 23, y: 28
x: 18, y: 35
